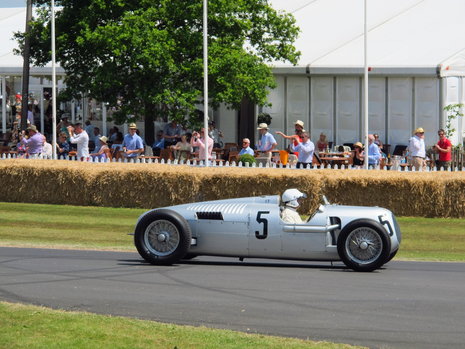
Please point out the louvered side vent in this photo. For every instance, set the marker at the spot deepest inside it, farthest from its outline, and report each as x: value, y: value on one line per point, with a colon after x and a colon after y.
x: 210, y: 215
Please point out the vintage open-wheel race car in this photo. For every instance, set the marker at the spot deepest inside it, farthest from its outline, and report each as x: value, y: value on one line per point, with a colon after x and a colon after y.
x: 364, y: 238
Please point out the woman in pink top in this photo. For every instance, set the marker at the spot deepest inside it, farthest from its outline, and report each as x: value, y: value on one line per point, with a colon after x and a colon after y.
x: 197, y: 140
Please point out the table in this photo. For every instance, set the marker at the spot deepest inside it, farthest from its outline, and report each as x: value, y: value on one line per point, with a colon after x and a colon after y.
x: 335, y: 160
x: 330, y: 154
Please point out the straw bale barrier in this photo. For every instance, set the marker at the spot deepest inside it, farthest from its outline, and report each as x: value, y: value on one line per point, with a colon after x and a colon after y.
x: 153, y: 185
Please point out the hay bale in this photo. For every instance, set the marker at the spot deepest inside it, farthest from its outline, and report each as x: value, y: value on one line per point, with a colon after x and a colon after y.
x: 153, y: 185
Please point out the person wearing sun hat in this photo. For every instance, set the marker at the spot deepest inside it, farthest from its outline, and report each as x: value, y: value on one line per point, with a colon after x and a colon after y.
x: 267, y: 142
x: 299, y: 129
x: 416, y: 149
x: 100, y: 154
x: 132, y: 145
x: 34, y: 142
x: 358, y: 157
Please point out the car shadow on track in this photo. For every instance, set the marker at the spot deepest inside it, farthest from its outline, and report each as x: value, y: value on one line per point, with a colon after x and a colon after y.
x: 335, y: 266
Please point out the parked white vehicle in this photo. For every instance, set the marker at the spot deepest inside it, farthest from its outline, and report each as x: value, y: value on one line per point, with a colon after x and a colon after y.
x: 364, y: 238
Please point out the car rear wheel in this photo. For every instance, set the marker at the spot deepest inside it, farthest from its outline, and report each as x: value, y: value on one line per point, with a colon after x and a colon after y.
x: 162, y: 237
x: 364, y: 245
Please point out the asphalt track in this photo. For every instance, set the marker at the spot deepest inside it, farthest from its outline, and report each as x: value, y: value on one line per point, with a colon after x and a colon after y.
x: 405, y: 305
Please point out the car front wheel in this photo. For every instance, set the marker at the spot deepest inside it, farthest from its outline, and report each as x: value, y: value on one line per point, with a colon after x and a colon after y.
x: 364, y: 245
x: 162, y: 237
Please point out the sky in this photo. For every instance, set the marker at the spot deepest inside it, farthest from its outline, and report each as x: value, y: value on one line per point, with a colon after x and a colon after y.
x: 12, y: 3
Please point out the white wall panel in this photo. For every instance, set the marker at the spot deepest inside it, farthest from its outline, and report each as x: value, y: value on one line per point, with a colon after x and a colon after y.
x: 322, y: 107
x: 297, y: 102
x: 400, y: 110
x: 377, y: 107
x: 347, y: 110
x: 427, y: 107
x: 277, y: 110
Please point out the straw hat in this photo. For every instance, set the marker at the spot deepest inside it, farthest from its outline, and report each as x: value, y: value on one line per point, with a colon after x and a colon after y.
x: 104, y: 139
x: 419, y: 130
x: 300, y: 123
x: 262, y: 126
x: 358, y: 144
x: 133, y: 125
x: 32, y: 128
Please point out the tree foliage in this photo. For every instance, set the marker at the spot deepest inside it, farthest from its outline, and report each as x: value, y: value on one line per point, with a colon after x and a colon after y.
x: 145, y: 56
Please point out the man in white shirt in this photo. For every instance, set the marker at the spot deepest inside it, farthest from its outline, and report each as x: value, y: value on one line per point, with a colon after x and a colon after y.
x: 290, y: 199
x: 304, y: 148
x: 81, y: 138
x: 416, y: 149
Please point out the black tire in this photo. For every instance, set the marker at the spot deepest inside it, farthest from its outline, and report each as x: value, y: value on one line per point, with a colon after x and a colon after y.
x: 162, y: 237
x: 391, y: 256
x: 364, y: 245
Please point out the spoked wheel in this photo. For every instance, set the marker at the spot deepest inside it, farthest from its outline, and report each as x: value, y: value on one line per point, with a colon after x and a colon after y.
x: 162, y: 237
x: 364, y: 245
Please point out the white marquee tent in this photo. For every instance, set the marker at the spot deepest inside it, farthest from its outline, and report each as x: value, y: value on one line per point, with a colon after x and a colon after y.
x: 416, y: 54
x: 416, y: 51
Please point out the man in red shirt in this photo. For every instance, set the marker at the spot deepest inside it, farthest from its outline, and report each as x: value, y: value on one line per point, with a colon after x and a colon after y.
x: 444, y: 148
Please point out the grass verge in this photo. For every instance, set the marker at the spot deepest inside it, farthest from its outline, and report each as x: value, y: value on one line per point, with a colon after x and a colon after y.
x: 26, y: 326
x: 77, y: 227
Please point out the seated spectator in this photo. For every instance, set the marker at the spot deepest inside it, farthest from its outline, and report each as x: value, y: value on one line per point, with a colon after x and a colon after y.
x: 101, y: 155
x: 117, y: 143
x: 215, y: 134
x: 63, y: 146
x: 47, y: 149
x: 359, y: 155
x: 246, y: 147
x: 377, y: 141
x: 184, y: 146
x: 172, y: 133
x: 159, y: 143
x: 112, y: 135
x: 322, y: 143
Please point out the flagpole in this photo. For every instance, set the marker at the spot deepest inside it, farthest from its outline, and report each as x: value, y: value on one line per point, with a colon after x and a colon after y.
x: 205, y: 78
x: 54, y: 92
x: 365, y: 82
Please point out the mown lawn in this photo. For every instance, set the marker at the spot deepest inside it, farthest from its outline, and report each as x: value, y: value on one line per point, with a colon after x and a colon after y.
x: 26, y: 326
x: 59, y: 226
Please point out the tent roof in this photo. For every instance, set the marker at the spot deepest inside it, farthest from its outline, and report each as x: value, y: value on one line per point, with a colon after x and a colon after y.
x: 426, y: 35
x: 401, y: 33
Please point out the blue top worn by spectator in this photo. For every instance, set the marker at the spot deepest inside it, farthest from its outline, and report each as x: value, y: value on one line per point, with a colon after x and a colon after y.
x: 246, y: 147
x: 132, y: 143
x: 267, y: 141
x: 374, y: 154
x: 172, y: 133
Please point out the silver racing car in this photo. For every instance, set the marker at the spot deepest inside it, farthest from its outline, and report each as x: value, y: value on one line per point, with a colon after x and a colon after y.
x: 364, y: 238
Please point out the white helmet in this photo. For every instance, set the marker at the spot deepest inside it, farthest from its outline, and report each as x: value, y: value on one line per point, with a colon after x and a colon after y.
x: 290, y: 197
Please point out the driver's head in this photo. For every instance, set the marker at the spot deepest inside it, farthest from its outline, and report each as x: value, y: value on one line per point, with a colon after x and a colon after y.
x: 291, y: 197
